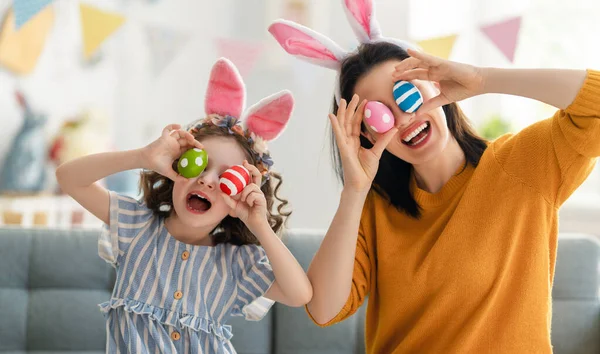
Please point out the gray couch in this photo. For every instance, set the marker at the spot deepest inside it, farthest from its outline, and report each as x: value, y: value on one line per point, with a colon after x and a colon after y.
x: 51, y: 282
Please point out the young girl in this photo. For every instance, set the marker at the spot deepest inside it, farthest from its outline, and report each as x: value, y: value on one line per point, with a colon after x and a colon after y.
x: 452, y: 238
x: 188, y: 256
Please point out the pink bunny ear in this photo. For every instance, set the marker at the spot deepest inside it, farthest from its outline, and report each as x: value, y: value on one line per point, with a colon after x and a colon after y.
x: 361, y: 15
x: 307, y: 44
x: 226, y: 93
x: 269, y: 117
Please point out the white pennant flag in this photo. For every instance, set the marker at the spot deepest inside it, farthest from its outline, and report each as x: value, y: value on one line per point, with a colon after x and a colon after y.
x: 164, y: 45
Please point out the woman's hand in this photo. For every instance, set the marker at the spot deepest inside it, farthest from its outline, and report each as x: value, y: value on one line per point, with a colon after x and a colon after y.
x: 457, y: 81
x: 359, y: 164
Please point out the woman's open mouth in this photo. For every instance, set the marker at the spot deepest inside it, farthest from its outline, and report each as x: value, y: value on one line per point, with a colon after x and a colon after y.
x: 418, y: 136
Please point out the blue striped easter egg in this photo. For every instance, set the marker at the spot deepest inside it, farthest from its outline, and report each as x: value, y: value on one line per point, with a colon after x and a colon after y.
x: 407, y: 96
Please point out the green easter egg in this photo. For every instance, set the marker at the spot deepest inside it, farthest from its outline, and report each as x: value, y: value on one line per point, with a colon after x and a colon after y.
x: 192, y: 163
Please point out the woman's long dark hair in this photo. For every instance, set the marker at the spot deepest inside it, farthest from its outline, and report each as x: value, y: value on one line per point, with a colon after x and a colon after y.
x: 392, y: 180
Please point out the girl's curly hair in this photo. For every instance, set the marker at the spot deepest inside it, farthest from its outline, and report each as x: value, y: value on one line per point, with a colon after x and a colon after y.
x: 158, y: 194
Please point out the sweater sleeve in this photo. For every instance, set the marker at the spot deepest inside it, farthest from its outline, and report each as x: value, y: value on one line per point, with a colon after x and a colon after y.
x: 554, y: 156
x: 361, y: 276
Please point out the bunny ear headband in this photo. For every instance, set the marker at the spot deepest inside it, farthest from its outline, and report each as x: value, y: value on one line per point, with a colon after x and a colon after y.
x: 316, y: 48
x: 260, y: 123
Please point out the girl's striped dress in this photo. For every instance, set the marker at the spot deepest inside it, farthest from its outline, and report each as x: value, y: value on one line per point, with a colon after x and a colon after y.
x: 171, y: 297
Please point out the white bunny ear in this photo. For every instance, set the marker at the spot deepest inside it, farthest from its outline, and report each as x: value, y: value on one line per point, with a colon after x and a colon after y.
x: 269, y: 117
x: 226, y: 93
x: 361, y: 15
x: 307, y: 44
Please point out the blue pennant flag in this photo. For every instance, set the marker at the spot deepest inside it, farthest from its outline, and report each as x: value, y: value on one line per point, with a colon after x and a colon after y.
x: 26, y: 9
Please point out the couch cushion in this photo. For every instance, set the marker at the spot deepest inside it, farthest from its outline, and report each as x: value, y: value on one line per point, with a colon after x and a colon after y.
x: 14, y: 263
x: 56, y: 281
x: 252, y: 337
x: 576, y: 304
x: 577, y: 268
x: 295, y: 333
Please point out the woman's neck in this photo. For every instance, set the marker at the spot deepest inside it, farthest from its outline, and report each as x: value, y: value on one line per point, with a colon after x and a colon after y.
x: 434, y: 174
x: 186, y: 234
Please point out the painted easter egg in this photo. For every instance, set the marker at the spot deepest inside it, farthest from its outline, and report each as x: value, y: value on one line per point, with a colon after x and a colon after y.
x: 378, y: 117
x: 234, y: 180
x: 407, y: 96
x: 192, y: 163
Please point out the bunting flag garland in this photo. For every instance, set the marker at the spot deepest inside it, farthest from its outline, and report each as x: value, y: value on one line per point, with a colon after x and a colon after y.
x: 97, y: 25
x: 504, y: 35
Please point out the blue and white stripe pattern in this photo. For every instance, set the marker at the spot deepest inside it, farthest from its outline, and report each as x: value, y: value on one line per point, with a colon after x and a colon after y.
x: 407, y: 96
x: 168, y: 302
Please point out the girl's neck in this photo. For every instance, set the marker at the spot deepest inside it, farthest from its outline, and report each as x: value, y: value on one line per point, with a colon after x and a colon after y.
x: 186, y: 234
x: 434, y: 174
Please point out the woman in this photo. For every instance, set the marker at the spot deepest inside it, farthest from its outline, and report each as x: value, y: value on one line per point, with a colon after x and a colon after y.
x: 452, y: 238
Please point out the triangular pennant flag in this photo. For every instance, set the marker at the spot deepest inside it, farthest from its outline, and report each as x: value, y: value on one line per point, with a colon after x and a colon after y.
x: 243, y: 54
x: 26, y: 9
x: 439, y: 47
x: 164, y: 45
x: 504, y: 35
x: 20, y: 50
x: 97, y: 25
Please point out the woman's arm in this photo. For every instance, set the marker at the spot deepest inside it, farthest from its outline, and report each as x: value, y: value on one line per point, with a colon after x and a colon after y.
x: 556, y: 87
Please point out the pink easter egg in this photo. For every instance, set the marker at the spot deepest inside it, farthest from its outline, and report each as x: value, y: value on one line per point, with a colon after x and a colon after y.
x: 234, y: 180
x: 378, y: 117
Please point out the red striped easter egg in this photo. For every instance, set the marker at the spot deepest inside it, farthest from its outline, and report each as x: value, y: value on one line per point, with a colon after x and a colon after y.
x: 234, y: 179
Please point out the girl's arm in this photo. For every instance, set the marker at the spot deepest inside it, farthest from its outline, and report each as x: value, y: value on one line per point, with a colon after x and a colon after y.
x: 78, y: 177
x: 291, y: 286
x: 555, y: 87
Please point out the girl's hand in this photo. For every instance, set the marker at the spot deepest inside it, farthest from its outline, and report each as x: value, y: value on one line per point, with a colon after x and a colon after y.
x: 457, y: 81
x: 159, y: 155
x: 359, y: 164
x: 250, y: 206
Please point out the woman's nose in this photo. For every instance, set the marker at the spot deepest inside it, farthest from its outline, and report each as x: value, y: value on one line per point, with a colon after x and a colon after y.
x: 402, y: 118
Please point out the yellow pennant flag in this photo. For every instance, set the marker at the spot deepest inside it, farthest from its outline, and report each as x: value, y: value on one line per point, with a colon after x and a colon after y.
x: 97, y: 26
x: 440, y: 47
x: 20, y: 49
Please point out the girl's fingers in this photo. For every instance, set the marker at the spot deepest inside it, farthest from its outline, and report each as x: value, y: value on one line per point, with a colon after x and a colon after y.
x: 252, y: 199
x: 255, y: 174
x: 251, y: 188
x: 167, y: 130
x: 229, y: 201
